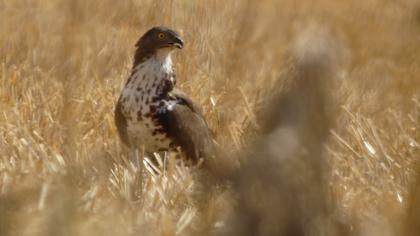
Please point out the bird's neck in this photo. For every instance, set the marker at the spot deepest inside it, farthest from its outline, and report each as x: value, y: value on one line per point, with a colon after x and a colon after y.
x: 153, y: 76
x: 142, y: 54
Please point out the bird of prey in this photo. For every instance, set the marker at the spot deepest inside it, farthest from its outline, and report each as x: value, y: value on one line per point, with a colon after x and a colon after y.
x: 151, y: 113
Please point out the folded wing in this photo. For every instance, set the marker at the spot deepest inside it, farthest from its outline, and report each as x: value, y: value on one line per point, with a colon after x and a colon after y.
x: 186, y: 125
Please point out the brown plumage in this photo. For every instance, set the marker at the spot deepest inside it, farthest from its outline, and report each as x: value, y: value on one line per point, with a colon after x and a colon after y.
x: 150, y: 112
x: 186, y: 125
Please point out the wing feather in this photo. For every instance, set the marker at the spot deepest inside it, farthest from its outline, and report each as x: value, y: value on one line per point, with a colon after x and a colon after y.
x: 121, y: 123
x: 186, y: 125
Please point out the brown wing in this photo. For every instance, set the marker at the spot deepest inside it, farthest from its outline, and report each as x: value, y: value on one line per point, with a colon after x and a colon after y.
x: 185, y: 124
x: 121, y: 123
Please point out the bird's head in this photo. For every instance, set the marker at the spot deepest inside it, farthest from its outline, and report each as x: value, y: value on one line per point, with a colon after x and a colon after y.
x: 158, y: 38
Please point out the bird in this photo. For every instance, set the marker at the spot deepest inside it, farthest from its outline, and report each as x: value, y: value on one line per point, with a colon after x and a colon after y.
x: 151, y: 114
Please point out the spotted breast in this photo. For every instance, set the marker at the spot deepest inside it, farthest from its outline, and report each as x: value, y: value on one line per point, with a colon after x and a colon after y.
x: 144, y: 96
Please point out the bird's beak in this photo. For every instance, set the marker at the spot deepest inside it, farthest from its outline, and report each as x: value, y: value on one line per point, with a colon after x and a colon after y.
x: 178, y: 43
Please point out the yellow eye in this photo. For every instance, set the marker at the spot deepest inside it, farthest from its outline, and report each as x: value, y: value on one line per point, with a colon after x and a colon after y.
x: 161, y: 35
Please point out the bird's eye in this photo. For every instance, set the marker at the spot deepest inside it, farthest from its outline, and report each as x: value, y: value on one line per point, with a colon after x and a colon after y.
x: 161, y: 35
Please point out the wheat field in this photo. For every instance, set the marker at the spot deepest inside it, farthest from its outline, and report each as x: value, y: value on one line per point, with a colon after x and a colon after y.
x: 63, y: 170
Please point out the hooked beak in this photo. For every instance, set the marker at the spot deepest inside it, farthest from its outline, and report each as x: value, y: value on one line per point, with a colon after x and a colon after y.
x: 178, y: 43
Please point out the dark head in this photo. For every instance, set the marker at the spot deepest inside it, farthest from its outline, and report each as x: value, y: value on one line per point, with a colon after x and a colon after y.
x: 157, y: 38
x: 160, y: 37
